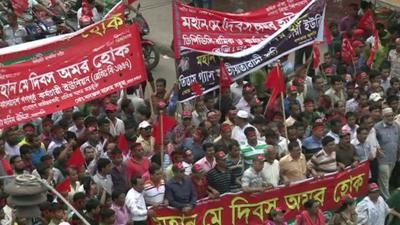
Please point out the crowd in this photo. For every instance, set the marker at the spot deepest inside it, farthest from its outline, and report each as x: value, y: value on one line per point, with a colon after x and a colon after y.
x: 109, y: 160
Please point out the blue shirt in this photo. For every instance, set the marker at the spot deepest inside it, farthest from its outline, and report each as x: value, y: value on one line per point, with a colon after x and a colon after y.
x: 180, y: 193
x: 389, y: 139
x: 197, y: 149
x: 36, y: 155
x: 311, y: 145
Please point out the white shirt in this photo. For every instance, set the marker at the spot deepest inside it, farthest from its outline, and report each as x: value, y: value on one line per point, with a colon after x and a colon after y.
x: 373, y: 142
x: 117, y: 128
x: 14, y: 37
x: 96, y: 15
x: 53, y: 145
x: 353, y: 132
x: 283, y: 146
x: 238, y: 134
x: 370, y: 213
x: 11, y: 150
x: 104, y: 182
x: 271, y: 172
x: 136, y: 205
x: 243, y: 105
x: 77, y: 132
x: 236, y: 91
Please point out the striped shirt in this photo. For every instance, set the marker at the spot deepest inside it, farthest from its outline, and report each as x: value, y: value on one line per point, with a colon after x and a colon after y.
x: 251, y: 178
x: 153, y: 194
x: 322, y: 162
x: 249, y: 152
x: 219, y: 180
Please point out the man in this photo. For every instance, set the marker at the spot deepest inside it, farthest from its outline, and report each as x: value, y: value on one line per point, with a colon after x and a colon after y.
x: 103, y: 176
x: 118, y: 172
x: 17, y: 165
x: 135, y: 203
x: 220, y: 177
x: 117, y: 126
x: 26, y: 156
x: 372, y: 210
x: 252, y: 147
x: 368, y: 123
x: 57, y: 138
x: 13, y: 32
x: 224, y: 140
x: 195, y: 144
x: 79, y: 126
x: 180, y: 191
x: 253, y: 179
x: 92, y: 211
x: 119, y: 207
x: 146, y: 138
x: 312, y: 144
x: 293, y: 167
x: 241, y: 123
x: 363, y: 149
x: 283, y: 143
x: 328, y: 68
x: 245, y: 101
x: 271, y: 166
x: 317, y: 89
x: 394, y: 59
x: 336, y: 92
x: 137, y: 165
x: 346, y: 154
x: 10, y: 138
x: 336, y: 125
x: 388, y: 135
x: 93, y: 140
x: 324, y: 161
x: 208, y: 161
x: 154, y: 188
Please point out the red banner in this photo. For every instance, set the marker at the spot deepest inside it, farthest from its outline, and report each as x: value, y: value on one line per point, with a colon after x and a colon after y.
x: 225, y: 34
x: 66, y: 78
x: 241, y: 209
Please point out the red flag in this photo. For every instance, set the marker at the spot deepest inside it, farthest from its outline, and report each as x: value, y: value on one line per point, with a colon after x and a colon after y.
x: 64, y: 186
x: 168, y: 124
x: 347, y: 51
x: 123, y: 144
x: 197, y: 89
x: 367, y: 21
x: 225, y: 79
x: 20, y: 6
x: 77, y: 159
x: 327, y: 34
x: 374, y: 49
x: 276, y: 82
x: 316, y: 55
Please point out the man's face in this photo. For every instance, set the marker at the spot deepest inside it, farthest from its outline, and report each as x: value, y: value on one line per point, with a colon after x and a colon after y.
x: 146, y: 132
x: 79, y: 122
x: 157, y: 176
x: 258, y: 165
x: 338, y: 85
x: 319, y: 84
x: 345, y: 139
x: 19, y: 164
x: 362, y: 136
x: 160, y: 88
x: 117, y: 160
x: 90, y: 153
x: 330, y: 146
x: 351, y: 121
x: 138, y: 151
x: 388, y: 118
x: 385, y: 73
x: 295, y: 153
x: 140, y: 185
x: 12, y: 138
x: 328, y: 59
x: 210, y: 152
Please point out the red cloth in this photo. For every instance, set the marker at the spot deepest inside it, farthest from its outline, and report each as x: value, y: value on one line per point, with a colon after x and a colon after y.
x: 135, y: 168
x: 64, y: 186
x: 225, y: 80
x: 374, y: 49
x: 304, y: 219
x: 168, y: 124
x: 327, y: 34
x: 77, y: 159
x: 20, y: 6
x: 316, y: 56
x: 197, y: 89
x: 347, y: 51
x: 7, y: 167
x: 123, y: 144
x: 276, y: 82
x: 87, y: 9
x: 367, y: 21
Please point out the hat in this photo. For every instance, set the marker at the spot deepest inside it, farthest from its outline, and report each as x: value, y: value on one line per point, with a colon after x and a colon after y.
x: 111, y: 107
x: 357, y: 44
x: 242, y: 114
x: 260, y: 157
x: 373, y: 187
x: 326, y: 140
x: 187, y: 114
x: 226, y: 127
x: 197, y: 168
x: 178, y: 166
x: 300, y: 80
x: 277, y: 210
x: 220, y: 155
x: 248, y: 88
x: 293, y: 88
x: 375, y: 97
x: 144, y: 124
x: 361, y: 76
x: 344, y: 131
x: 387, y: 111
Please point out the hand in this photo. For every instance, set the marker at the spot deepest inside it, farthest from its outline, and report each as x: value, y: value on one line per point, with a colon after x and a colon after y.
x: 355, y: 164
x: 165, y: 203
x: 286, y: 183
x: 380, y: 153
x: 150, y: 212
x: 341, y: 166
x: 186, y: 209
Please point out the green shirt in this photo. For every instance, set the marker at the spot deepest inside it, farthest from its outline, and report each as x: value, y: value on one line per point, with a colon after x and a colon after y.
x: 249, y: 152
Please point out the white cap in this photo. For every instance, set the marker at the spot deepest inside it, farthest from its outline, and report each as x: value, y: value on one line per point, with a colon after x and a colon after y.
x: 242, y: 114
x: 375, y: 97
x: 144, y: 124
x: 387, y: 110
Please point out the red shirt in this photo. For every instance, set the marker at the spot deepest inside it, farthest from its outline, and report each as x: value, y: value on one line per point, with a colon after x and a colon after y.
x: 135, y: 168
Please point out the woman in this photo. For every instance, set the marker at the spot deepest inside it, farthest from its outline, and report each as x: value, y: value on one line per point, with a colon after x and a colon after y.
x: 312, y: 215
x: 346, y: 215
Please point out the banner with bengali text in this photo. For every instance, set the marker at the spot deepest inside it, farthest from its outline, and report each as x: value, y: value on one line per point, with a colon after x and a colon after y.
x: 197, y: 67
x: 233, y: 35
x: 94, y: 68
x: 241, y: 209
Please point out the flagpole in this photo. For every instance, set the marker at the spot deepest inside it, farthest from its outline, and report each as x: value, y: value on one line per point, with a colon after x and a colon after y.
x: 162, y: 138
x: 284, y: 118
